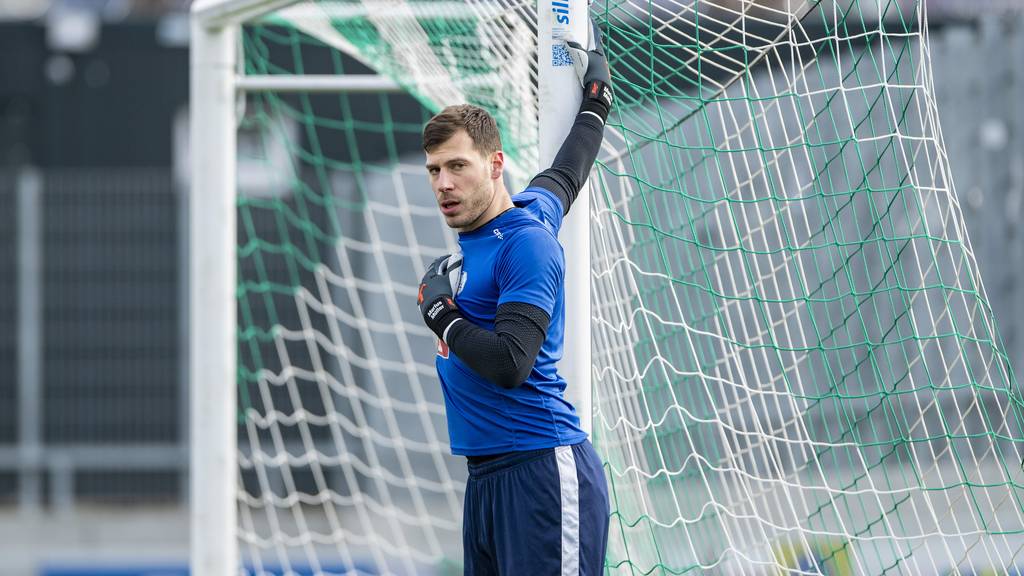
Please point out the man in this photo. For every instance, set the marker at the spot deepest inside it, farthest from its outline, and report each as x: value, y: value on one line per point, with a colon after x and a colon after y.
x: 537, y: 501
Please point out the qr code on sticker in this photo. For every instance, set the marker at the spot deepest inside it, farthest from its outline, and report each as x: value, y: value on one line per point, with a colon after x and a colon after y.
x: 560, y: 55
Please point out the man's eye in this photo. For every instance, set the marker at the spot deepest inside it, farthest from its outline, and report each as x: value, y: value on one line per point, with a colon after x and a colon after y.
x: 433, y: 171
x: 457, y: 166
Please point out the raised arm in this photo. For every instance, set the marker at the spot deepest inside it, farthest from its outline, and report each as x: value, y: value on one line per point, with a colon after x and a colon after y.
x: 572, y: 163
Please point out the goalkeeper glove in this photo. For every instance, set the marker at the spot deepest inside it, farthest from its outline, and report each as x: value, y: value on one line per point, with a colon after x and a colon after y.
x: 436, y: 297
x: 592, y: 69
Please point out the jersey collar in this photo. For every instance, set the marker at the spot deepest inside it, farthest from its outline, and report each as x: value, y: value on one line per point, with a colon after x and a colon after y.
x: 487, y: 229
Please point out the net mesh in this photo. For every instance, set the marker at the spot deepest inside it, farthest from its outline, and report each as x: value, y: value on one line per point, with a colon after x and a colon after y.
x: 344, y: 459
x: 796, y: 369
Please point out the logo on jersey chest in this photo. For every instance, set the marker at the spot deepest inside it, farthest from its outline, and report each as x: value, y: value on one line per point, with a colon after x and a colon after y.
x: 462, y: 282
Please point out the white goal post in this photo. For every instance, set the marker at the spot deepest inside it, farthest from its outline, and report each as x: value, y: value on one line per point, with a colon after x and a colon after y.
x: 215, y: 89
x: 212, y: 309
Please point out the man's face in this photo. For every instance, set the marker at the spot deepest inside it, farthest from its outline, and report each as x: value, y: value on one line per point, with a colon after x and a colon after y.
x: 463, y: 180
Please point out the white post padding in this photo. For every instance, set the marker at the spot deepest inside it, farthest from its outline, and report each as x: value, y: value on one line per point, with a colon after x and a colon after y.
x: 560, y: 95
x: 212, y: 303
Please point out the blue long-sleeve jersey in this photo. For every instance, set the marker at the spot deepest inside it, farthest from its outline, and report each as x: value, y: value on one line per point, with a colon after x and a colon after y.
x: 515, y: 257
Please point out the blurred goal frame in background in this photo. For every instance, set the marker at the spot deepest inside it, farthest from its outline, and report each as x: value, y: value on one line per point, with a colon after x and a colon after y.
x: 216, y: 86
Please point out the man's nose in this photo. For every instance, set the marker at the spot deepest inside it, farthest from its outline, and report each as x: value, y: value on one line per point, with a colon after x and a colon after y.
x: 444, y: 180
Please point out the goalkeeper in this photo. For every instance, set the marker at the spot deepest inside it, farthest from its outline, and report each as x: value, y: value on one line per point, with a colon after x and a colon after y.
x: 536, y: 501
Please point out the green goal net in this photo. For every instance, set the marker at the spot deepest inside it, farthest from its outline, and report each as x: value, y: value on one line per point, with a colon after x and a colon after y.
x: 796, y: 369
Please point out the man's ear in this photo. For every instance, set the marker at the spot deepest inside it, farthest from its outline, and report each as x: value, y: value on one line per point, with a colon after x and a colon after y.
x: 497, y: 164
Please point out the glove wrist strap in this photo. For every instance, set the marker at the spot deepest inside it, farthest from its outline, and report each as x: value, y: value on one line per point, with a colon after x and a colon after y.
x: 440, y: 314
x: 597, y: 98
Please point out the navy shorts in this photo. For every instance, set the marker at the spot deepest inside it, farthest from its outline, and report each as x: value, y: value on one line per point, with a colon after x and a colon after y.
x: 537, y: 513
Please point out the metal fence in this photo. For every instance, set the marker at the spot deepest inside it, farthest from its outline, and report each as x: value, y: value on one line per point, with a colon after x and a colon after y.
x: 92, y: 397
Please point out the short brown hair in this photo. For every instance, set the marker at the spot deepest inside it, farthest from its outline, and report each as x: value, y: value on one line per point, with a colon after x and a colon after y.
x: 480, y: 126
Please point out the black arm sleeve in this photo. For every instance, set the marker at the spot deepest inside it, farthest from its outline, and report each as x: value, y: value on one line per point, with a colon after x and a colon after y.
x: 569, y: 171
x: 505, y: 356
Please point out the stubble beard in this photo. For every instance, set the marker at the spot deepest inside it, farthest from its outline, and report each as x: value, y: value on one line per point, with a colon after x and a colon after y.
x: 473, y: 208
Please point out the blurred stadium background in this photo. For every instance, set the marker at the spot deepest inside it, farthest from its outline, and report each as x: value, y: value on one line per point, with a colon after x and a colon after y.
x: 93, y: 261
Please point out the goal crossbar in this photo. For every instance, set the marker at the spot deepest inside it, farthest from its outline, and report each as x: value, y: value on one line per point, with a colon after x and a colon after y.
x: 318, y: 83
